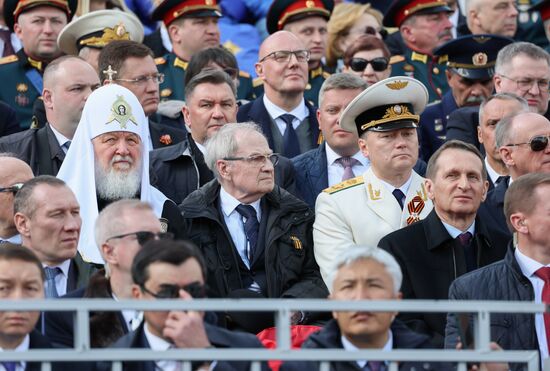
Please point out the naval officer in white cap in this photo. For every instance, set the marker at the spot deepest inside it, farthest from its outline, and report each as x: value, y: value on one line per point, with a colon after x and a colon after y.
x: 389, y: 195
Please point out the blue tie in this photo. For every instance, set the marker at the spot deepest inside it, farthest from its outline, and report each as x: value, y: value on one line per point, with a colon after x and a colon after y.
x: 290, y: 139
x: 251, y: 227
x: 399, y: 196
x: 10, y: 366
x: 51, y: 273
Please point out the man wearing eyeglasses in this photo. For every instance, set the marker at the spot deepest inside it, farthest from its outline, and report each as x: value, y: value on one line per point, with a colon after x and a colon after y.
x: 120, y: 230
x: 287, y: 119
x: 470, y: 69
x: 424, y: 25
x: 68, y: 81
x: 521, y: 68
x: 255, y: 236
x: 13, y: 173
x: 176, y: 270
x: 522, y: 140
x: 131, y: 64
x: 308, y: 21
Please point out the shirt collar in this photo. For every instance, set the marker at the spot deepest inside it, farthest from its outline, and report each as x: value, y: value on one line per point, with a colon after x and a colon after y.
x: 201, y: 148
x: 22, y: 347
x: 404, y: 188
x: 352, y: 348
x: 454, y: 232
x: 229, y: 203
x: 300, y: 112
x: 333, y: 156
x: 527, y: 265
x: 155, y: 342
x: 61, y: 139
x: 493, y: 175
x: 63, y: 266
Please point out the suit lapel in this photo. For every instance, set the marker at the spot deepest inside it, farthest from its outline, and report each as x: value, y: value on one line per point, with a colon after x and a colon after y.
x: 317, y: 172
x: 381, y: 201
x: 258, y: 113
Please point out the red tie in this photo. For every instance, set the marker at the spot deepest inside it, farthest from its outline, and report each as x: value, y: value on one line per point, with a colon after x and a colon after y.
x: 544, y: 274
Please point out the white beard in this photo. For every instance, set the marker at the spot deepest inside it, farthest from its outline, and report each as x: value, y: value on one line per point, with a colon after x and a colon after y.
x: 114, y: 184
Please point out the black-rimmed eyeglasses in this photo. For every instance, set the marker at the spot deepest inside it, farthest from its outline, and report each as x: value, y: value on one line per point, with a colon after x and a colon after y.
x: 283, y: 56
x: 13, y: 188
x: 537, y: 143
x: 257, y: 160
x: 527, y: 83
x: 144, y: 236
x: 142, y: 80
x: 172, y: 291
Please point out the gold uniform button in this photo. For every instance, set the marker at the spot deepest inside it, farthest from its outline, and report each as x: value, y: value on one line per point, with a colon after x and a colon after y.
x: 435, y: 70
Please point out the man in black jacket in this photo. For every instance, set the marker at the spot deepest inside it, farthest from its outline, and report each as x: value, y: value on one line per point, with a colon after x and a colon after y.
x: 255, y: 236
x: 365, y: 273
x: 522, y: 275
x: 68, y: 81
x: 451, y: 240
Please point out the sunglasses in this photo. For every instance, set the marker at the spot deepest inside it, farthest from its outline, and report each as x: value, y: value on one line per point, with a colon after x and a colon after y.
x: 537, y: 143
x: 13, y: 188
x: 170, y: 291
x: 378, y: 64
x: 143, y: 237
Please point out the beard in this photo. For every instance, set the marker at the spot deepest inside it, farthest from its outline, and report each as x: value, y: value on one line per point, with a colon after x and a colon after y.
x: 112, y: 184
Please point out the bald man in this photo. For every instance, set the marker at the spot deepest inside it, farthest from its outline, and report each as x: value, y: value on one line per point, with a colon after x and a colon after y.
x: 286, y: 118
x: 13, y: 172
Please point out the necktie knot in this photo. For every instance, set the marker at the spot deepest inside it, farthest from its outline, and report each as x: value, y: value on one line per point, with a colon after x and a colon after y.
x: 5, y: 36
x: 465, y: 238
x: 501, y: 179
x: 374, y: 365
x: 347, y: 163
x: 51, y: 273
x: 247, y: 211
x: 51, y: 289
x: 399, y: 196
x: 10, y: 366
x: 288, y: 119
x: 543, y: 273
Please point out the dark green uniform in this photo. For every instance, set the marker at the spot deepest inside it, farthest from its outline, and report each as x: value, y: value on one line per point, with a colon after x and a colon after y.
x: 316, y: 78
x: 173, y: 87
x: 425, y: 68
x: 17, y: 89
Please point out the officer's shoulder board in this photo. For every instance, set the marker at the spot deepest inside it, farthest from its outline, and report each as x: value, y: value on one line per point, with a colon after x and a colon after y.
x: 433, y: 103
x: 9, y: 59
x: 244, y: 74
x: 257, y: 82
x: 160, y: 60
x: 350, y: 183
x: 326, y: 74
x: 396, y: 59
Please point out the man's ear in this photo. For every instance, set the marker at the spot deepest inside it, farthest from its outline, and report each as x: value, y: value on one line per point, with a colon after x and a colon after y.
x: 136, y: 291
x: 506, y: 156
x: 47, y: 98
x: 429, y: 188
x: 108, y: 252
x: 319, y: 118
x: 22, y: 223
x: 223, y: 168
x: 259, y: 70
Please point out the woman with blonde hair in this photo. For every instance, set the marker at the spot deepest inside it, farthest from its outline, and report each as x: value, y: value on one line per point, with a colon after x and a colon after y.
x: 347, y: 22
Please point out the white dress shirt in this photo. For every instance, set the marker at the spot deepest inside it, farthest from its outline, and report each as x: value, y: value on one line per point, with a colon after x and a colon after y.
x: 60, y: 279
x: 455, y: 232
x: 404, y: 188
x: 157, y: 343
x: 23, y: 347
x: 16, y: 239
x: 61, y: 139
x: 299, y: 113
x: 352, y: 348
x: 528, y: 267
x: 493, y: 175
x: 132, y: 317
x: 335, y: 171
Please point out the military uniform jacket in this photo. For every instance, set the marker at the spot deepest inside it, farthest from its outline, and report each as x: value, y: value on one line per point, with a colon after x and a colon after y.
x: 316, y: 78
x: 362, y: 211
x: 425, y: 68
x: 173, y: 87
x: 19, y: 78
x: 433, y: 125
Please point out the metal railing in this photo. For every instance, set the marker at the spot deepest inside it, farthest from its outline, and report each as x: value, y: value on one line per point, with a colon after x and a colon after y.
x: 82, y: 352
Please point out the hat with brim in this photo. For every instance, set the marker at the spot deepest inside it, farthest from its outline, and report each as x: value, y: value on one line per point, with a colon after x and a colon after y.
x: 169, y: 10
x: 282, y: 12
x: 14, y: 8
x: 99, y: 28
x: 473, y: 56
x: 400, y: 10
x: 390, y: 104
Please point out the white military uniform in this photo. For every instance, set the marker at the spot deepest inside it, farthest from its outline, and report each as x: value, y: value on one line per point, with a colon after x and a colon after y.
x: 362, y: 211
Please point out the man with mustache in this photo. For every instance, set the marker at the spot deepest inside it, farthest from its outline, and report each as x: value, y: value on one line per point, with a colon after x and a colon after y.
x: 470, y: 69
x: 451, y: 240
x: 109, y: 161
x: 424, y: 25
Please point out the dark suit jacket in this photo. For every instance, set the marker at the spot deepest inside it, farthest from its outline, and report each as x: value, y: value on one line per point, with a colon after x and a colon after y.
x: 37, y: 147
x: 312, y: 174
x: 38, y: 341
x: 157, y: 131
x: 8, y: 120
x: 180, y: 169
x: 462, y: 125
x: 256, y: 111
x: 154, y: 42
x: 492, y: 210
x: 430, y: 260
x: 218, y: 337
x: 433, y: 125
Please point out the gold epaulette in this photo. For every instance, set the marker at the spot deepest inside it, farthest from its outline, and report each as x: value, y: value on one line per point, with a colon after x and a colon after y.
x: 434, y: 102
x: 326, y: 74
x: 345, y: 185
x: 396, y: 59
x: 9, y: 59
x: 257, y: 82
x: 243, y: 74
x: 160, y: 60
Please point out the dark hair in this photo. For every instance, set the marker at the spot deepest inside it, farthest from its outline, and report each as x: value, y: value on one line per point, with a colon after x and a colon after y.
x: 215, y: 77
x: 219, y: 55
x: 117, y: 52
x: 521, y: 197
x: 23, y: 203
x: 164, y: 251
x: 431, y: 170
x: 11, y: 251
x: 365, y: 43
